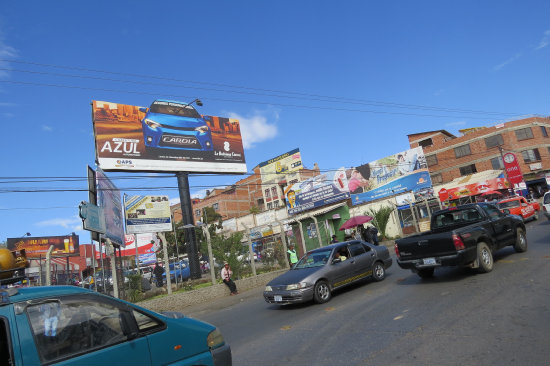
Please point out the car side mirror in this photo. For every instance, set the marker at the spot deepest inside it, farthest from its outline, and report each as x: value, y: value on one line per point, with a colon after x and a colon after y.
x: 336, y: 260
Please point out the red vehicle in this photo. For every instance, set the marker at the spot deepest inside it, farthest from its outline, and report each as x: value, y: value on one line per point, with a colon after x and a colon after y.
x: 521, y: 207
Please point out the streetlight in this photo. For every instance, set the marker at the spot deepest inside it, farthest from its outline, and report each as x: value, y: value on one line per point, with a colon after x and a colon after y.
x: 196, y: 101
x: 26, y: 234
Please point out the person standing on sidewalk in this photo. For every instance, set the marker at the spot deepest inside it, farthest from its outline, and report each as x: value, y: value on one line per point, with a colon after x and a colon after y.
x: 292, y: 256
x: 226, y: 277
x: 158, y: 271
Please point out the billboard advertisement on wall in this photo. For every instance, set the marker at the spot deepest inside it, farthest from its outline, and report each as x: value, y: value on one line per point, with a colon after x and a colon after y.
x: 473, y: 189
x: 36, y: 247
x: 274, y: 169
x: 406, y: 171
x: 147, y: 214
x: 108, y: 197
x: 318, y: 191
x: 168, y: 136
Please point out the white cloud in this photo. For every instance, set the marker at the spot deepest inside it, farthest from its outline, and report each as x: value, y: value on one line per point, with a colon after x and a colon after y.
x: 507, y: 62
x: 545, y: 41
x: 255, y: 128
x: 6, y: 51
x: 46, y: 128
x: 70, y: 224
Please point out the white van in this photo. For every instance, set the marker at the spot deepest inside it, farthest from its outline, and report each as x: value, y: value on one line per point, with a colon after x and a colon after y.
x: 546, y: 205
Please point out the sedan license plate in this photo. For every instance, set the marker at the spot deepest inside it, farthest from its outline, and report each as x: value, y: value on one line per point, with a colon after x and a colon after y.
x: 278, y: 298
x: 428, y: 261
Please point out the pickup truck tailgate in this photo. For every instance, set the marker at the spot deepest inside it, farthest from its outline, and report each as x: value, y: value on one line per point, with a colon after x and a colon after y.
x: 426, y: 245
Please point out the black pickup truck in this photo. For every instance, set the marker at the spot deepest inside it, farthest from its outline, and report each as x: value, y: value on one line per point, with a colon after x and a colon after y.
x: 466, y: 235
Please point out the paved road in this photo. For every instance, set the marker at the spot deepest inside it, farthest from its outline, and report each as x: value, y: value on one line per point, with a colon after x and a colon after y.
x: 458, y: 318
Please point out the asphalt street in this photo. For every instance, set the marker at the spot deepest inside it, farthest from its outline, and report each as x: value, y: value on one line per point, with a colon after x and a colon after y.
x: 459, y: 317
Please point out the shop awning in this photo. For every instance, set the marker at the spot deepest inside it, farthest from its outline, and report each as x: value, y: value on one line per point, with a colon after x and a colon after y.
x: 317, y: 212
x: 471, y: 185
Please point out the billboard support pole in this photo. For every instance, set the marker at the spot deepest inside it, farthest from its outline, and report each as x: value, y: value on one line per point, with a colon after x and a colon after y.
x: 187, y: 218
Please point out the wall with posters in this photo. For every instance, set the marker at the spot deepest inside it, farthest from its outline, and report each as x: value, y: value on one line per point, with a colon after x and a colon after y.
x: 36, y: 247
x: 168, y: 136
x: 398, y: 173
x: 147, y: 214
x: 321, y: 190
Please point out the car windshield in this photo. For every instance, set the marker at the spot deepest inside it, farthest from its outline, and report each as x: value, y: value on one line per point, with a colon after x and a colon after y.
x: 509, y: 204
x: 314, y: 259
x: 174, y: 109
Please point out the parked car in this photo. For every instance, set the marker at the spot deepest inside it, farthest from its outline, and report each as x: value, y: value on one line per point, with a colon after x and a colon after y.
x: 546, y: 205
x: 466, y: 235
x: 521, y: 207
x: 72, y: 325
x: 318, y: 273
x: 175, y: 125
x: 180, y: 269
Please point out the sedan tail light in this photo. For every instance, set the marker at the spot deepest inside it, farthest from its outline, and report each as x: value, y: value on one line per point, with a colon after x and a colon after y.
x: 457, y: 241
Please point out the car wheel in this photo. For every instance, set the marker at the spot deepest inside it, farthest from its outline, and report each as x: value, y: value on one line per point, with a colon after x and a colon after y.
x: 484, y: 257
x: 378, y: 271
x: 521, y: 242
x: 425, y: 273
x: 321, y: 292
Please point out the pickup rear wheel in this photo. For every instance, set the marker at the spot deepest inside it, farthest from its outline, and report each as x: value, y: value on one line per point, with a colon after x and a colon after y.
x: 484, y: 257
x: 521, y: 242
x: 426, y: 273
x: 321, y: 292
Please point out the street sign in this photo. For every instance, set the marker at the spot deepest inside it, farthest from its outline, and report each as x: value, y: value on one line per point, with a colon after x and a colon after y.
x: 92, y: 217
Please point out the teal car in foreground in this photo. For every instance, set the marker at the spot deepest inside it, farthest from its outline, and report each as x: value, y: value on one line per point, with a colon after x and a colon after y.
x: 67, y: 325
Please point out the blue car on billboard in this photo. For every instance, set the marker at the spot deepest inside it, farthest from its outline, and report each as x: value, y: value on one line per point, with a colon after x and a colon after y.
x: 175, y: 125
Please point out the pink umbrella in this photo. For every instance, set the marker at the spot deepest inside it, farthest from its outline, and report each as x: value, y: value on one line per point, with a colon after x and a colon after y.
x: 355, y: 221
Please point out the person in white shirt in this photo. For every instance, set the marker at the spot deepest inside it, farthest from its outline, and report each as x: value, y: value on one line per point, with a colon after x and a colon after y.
x: 226, y: 277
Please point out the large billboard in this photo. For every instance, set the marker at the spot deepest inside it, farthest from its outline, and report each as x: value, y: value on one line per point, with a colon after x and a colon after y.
x: 274, y: 169
x: 147, y: 214
x: 318, y: 191
x: 168, y: 136
x: 108, y: 197
x: 406, y: 171
x: 36, y: 247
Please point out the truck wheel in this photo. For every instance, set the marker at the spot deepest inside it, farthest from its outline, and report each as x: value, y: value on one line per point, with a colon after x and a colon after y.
x: 426, y: 273
x: 484, y: 257
x: 378, y: 272
x: 521, y: 242
x: 321, y: 292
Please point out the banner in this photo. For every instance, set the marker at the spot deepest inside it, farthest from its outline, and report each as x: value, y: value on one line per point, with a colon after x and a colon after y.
x: 513, y: 170
x: 147, y: 214
x: 318, y: 191
x: 473, y: 189
x: 108, y: 197
x: 274, y: 169
x: 144, y: 242
x: 38, y: 246
x: 406, y: 171
x: 167, y: 136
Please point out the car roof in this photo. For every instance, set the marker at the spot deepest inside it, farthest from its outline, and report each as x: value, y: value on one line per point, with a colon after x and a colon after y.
x: 335, y: 245
x: 13, y: 295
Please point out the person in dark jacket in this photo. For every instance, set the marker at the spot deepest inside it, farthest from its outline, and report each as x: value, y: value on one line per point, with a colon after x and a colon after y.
x: 158, y: 271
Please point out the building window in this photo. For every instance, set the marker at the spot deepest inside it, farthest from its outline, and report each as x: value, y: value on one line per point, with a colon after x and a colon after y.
x: 524, y: 134
x: 426, y: 142
x: 493, y: 141
x: 468, y: 169
x: 549, y: 150
x: 497, y: 163
x: 436, y: 178
x: 215, y: 206
x: 267, y: 195
x: 274, y: 192
x: 530, y: 156
x: 269, y: 205
x: 463, y: 151
x: 543, y: 130
x: 431, y: 160
x: 198, y: 212
x: 276, y: 204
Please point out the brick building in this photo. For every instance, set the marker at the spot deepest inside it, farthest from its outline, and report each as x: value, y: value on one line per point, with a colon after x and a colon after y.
x: 480, y: 149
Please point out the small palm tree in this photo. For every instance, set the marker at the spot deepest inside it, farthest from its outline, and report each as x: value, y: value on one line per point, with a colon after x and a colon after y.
x: 381, y: 218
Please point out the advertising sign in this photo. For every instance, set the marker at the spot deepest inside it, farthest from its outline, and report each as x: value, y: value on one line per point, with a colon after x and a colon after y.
x: 35, y: 247
x: 147, y: 214
x: 406, y: 171
x: 473, y: 189
x: 318, y: 191
x: 286, y: 163
x: 511, y: 165
x: 108, y: 197
x: 144, y: 244
x: 167, y: 136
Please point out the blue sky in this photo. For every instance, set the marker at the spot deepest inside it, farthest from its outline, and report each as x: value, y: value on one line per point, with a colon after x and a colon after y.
x: 343, y: 81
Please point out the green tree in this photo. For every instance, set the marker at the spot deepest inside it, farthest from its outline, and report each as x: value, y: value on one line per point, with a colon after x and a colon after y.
x: 227, y: 250
x: 381, y: 218
x: 254, y: 210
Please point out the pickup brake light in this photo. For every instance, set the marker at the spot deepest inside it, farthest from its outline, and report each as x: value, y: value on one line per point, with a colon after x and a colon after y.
x: 457, y: 241
x: 396, y: 250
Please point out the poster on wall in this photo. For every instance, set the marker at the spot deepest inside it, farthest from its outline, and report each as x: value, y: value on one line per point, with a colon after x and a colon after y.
x: 406, y: 171
x: 272, y: 169
x: 36, y: 247
x: 167, y: 136
x: 147, y: 214
x: 318, y: 191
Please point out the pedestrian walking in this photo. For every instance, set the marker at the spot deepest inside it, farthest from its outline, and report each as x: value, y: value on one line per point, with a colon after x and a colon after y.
x: 226, y: 277
x: 373, y: 231
x: 158, y: 271
x: 292, y: 256
x: 334, y: 240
